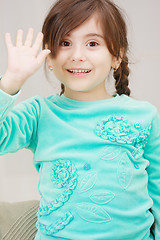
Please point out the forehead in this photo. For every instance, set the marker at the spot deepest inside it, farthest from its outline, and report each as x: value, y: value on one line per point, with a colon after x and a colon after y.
x: 91, y: 25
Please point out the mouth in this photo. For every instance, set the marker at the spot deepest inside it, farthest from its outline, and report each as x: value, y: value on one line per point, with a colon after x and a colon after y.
x: 79, y: 72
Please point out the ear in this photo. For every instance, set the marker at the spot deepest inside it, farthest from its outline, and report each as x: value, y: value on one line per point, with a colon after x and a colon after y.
x: 117, y: 60
x: 49, y: 59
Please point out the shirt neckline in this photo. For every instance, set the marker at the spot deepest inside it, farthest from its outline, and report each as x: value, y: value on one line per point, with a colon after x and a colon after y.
x: 78, y: 103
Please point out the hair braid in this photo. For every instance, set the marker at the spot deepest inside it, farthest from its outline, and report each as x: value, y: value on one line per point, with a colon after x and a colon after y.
x: 62, y: 89
x: 121, y: 77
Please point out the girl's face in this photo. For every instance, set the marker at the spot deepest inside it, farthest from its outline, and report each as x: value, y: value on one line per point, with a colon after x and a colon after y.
x: 83, y: 62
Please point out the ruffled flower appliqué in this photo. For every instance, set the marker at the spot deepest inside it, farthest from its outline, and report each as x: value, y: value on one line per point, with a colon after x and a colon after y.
x: 64, y: 176
x: 119, y: 129
x: 57, y: 226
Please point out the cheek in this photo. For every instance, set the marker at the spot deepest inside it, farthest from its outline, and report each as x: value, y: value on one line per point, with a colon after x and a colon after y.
x: 59, y: 60
x: 108, y: 61
x: 103, y: 63
x: 57, y: 66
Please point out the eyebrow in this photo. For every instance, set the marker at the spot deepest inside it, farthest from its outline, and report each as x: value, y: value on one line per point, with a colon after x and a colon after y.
x: 94, y: 35
x: 91, y: 35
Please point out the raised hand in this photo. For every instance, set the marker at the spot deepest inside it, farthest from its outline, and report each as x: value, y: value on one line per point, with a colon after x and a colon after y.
x: 23, y: 59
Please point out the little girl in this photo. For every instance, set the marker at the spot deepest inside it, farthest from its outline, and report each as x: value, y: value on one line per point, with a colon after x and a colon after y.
x: 98, y: 156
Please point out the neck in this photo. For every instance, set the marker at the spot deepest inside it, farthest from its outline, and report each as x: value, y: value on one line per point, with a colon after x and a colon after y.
x: 91, y: 95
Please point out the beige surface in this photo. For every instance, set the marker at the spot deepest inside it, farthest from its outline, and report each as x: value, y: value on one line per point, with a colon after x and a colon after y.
x: 18, y: 220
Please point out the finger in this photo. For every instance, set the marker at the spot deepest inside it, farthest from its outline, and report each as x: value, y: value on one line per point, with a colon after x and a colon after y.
x: 19, y: 38
x: 38, y: 42
x: 29, y: 37
x: 8, y: 40
x: 41, y: 57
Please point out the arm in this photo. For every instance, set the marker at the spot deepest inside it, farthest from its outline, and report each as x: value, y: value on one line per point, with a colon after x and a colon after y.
x: 18, y: 125
x: 152, y: 153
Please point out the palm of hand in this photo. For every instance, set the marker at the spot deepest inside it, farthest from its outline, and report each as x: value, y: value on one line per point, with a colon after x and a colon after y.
x: 25, y: 59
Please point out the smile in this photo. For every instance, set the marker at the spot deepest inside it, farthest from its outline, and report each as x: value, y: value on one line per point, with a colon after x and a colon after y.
x: 78, y: 71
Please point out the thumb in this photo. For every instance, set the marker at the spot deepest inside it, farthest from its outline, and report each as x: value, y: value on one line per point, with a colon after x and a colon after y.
x: 43, y: 54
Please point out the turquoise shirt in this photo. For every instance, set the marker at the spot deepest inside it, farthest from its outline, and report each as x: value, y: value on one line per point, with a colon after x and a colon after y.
x: 98, y: 164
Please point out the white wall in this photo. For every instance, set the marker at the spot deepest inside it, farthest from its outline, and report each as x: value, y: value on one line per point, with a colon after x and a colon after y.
x: 18, y: 178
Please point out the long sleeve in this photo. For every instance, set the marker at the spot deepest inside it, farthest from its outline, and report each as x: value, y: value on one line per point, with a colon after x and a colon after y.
x: 152, y: 153
x: 18, y: 124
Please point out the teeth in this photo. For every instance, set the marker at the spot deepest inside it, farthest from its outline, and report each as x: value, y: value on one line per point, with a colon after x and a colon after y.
x: 79, y: 71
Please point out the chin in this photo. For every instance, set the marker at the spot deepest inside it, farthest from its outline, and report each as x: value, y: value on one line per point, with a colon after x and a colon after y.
x: 78, y: 88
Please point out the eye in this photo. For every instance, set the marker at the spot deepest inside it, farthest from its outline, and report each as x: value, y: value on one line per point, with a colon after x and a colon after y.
x: 92, y: 44
x: 65, y: 44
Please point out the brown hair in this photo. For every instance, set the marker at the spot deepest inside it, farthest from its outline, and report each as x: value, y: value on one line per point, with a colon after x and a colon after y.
x: 66, y: 15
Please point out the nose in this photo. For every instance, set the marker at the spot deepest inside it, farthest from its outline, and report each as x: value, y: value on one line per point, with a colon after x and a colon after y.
x: 78, y: 54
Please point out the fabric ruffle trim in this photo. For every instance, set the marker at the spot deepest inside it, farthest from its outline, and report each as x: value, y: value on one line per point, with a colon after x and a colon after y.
x: 120, y: 130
